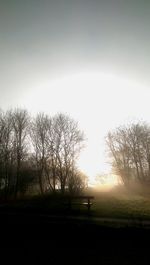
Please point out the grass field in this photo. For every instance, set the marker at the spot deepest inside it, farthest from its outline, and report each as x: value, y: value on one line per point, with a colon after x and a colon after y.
x: 121, y: 204
x: 110, y: 204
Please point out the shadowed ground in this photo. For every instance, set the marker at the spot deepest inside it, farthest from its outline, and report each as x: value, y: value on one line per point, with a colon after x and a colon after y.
x: 29, y: 239
x: 42, y: 231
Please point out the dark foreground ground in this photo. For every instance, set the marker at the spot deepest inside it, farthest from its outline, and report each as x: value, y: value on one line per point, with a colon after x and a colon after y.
x: 32, y: 239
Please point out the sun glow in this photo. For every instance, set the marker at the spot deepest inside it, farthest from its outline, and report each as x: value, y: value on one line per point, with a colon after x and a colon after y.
x: 98, y: 101
x: 107, y: 181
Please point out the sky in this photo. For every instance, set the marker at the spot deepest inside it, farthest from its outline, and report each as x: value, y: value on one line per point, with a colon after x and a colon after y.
x: 89, y: 59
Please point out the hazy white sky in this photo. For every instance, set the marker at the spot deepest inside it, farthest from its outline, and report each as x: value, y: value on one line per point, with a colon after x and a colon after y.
x: 98, y: 101
x: 89, y: 59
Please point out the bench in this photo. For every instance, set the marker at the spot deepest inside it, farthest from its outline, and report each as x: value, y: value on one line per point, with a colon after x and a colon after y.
x: 80, y: 200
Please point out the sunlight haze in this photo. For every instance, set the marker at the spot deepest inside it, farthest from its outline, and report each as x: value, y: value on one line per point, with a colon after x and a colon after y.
x: 98, y: 101
x: 89, y: 59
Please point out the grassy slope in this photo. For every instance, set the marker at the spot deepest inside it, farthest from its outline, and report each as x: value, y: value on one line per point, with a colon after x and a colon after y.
x: 121, y: 204
x: 113, y: 204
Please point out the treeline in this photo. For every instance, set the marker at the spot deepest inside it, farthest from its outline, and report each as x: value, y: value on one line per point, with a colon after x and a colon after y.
x: 39, y: 151
x: 129, y: 148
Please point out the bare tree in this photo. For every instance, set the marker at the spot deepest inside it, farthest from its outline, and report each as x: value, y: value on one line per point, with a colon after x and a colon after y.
x: 20, y: 121
x: 52, y: 163
x: 57, y: 142
x: 39, y: 136
x: 130, y: 149
x: 77, y: 182
x: 146, y: 147
x: 6, y: 150
x: 68, y: 144
x: 120, y: 153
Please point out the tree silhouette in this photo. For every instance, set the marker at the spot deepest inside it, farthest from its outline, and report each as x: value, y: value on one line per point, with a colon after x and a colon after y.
x: 129, y: 147
x: 41, y: 150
